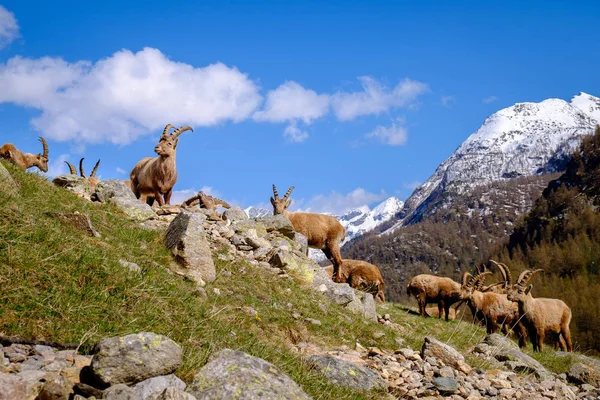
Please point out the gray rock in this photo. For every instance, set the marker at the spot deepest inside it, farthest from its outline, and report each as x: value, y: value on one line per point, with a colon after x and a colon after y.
x: 446, y: 372
x: 301, y: 242
x: 152, y: 388
x: 12, y: 387
x: 507, y: 351
x: 343, y: 373
x: 133, y: 267
x: 134, y: 209
x: 187, y: 240
x: 120, y: 392
x: 496, y: 340
x: 172, y: 393
x: 234, y: 214
x: 278, y: 223
x: 582, y: 373
x: 7, y: 183
x: 134, y: 358
x: 445, y: 386
x: 297, y: 265
x: 234, y: 374
x: 56, y: 389
x: 445, y: 353
x: 113, y: 188
x: 76, y: 184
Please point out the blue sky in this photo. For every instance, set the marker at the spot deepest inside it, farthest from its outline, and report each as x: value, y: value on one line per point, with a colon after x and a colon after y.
x: 350, y: 102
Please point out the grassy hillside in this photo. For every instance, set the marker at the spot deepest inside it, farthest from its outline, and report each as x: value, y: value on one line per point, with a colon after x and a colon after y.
x: 59, y: 283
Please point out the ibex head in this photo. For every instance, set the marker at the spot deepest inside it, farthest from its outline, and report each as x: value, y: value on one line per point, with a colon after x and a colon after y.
x: 471, y: 283
x: 41, y: 160
x: 520, y: 290
x: 167, y: 143
x: 281, y: 205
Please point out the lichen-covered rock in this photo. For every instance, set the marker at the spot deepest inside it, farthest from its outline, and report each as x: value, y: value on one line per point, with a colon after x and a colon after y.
x: 582, y: 373
x: 300, y: 267
x: 12, y: 387
x: 112, y: 188
x: 120, y: 392
x: 507, y: 351
x: 234, y: 214
x: 278, y: 223
x: 134, y: 209
x: 7, y: 183
x: 445, y: 386
x: 134, y: 358
x: 152, y: 388
x: 301, y: 242
x: 172, y: 393
x: 445, y: 353
x: 500, y: 341
x: 237, y: 375
x: 186, y: 239
x: 77, y: 184
x: 344, y: 373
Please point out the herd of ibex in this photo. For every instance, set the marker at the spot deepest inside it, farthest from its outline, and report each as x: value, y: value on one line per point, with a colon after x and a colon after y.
x: 505, y: 305
x: 501, y: 306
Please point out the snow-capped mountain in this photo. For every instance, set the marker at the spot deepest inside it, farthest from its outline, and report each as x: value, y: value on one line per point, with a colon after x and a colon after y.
x: 257, y: 212
x: 522, y: 140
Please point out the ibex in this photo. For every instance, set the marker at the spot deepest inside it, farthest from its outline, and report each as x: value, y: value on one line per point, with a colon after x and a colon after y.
x: 92, y: 180
x: 434, y: 289
x: 541, y: 315
x: 322, y: 231
x: 363, y: 276
x: 154, y: 177
x: 26, y: 160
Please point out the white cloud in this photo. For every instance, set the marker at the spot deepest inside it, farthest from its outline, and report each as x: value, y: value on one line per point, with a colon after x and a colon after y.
x: 57, y: 166
x: 126, y: 95
x: 375, y: 98
x: 179, y: 196
x: 447, y: 101
x: 295, y: 134
x: 121, y: 171
x: 489, y: 99
x: 290, y: 101
x: 337, y: 203
x: 394, y: 135
x: 9, y: 29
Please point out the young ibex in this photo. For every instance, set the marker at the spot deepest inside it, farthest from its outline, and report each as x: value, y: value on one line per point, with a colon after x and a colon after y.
x: 154, y: 177
x: 204, y: 200
x: 494, y: 309
x: 26, y: 160
x: 363, y: 276
x: 541, y: 315
x: 434, y: 289
x: 322, y: 231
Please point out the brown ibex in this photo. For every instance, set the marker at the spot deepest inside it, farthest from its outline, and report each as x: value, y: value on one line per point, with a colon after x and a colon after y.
x: 93, y: 181
x: 26, y: 160
x: 363, y: 276
x: 541, y: 315
x: 434, y: 289
x: 154, y: 177
x: 322, y: 231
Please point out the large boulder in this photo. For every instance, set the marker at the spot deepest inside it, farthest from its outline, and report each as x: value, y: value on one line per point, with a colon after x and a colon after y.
x: 237, y: 375
x: 112, y: 188
x: 76, y: 184
x: 344, y: 373
x: 507, y: 351
x: 7, y: 183
x: 134, y: 358
x: 445, y: 353
x: 295, y: 264
x: 187, y: 240
x: 152, y: 388
x: 234, y: 214
x: 582, y: 373
x: 117, y: 192
x: 278, y: 223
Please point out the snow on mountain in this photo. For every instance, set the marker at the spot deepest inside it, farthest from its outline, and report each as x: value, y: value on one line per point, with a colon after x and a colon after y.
x: 521, y: 140
x: 257, y: 212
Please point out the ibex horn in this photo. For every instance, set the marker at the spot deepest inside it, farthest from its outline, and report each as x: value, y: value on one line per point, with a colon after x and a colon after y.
x: 465, y: 278
x: 81, y: 168
x: 275, y: 194
x: 72, y: 169
x: 45, y: 146
x: 179, y: 131
x: 95, y: 169
x: 526, y: 276
x: 503, y: 271
x: 167, y: 128
x: 479, y: 277
x: 288, y: 193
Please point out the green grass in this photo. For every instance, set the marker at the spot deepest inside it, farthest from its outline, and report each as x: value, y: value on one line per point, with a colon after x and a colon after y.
x: 60, y: 284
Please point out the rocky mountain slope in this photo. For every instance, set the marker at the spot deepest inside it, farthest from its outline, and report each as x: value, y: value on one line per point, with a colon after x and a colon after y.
x: 522, y: 140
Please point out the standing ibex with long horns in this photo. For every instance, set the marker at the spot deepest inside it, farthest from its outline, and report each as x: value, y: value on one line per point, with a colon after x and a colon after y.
x: 541, y: 315
x: 322, y: 231
x: 154, y: 177
x: 26, y: 160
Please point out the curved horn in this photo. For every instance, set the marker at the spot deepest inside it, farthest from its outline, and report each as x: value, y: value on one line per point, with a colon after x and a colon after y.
x: 179, y: 131
x: 288, y: 193
x: 526, y: 276
x: 479, y: 277
x: 72, y: 169
x: 465, y: 278
x: 81, y: 168
x: 45, y: 146
x: 95, y: 169
x: 490, y: 287
x: 481, y: 282
x: 167, y: 128
x: 503, y: 272
x: 275, y: 194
